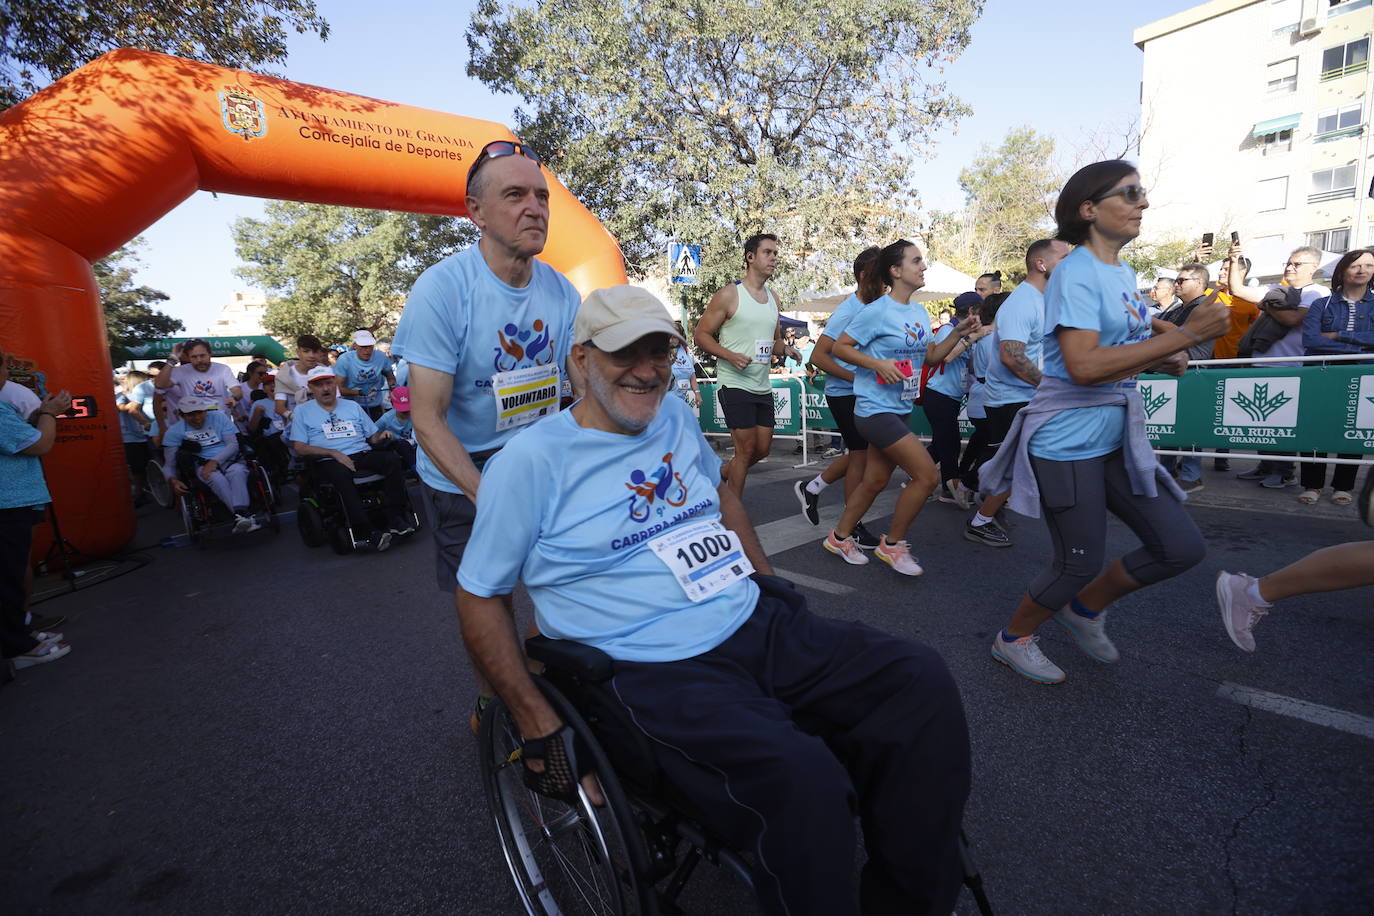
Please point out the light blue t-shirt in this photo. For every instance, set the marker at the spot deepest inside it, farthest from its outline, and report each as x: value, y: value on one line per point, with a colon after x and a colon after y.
x: 129, y: 428
x: 1084, y: 293
x: 838, y: 387
x: 142, y: 395
x: 214, y: 435
x: 887, y: 329
x: 276, y: 424
x: 401, y: 429
x: 1021, y: 318
x: 683, y: 372
x: 345, y: 429
x: 980, y: 360
x: 21, y: 476
x: 461, y: 319
x: 368, y: 376
x: 570, y: 512
x: 950, y: 382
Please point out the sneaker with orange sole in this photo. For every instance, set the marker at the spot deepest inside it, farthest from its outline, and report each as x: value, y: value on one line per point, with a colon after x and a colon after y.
x: 898, y: 556
x: 847, y: 549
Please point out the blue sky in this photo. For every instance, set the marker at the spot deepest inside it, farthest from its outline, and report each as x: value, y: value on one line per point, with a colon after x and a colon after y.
x: 1064, y: 68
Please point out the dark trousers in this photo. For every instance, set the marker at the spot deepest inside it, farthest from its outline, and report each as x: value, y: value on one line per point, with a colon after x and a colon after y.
x: 976, y: 451
x: 791, y: 727
x: 16, y: 537
x: 1076, y: 496
x: 1313, y: 475
x: 406, y: 452
x: 385, y: 463
x: 942, y: 411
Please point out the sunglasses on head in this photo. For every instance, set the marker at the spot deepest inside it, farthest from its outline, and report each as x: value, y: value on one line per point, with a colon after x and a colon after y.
x: 499, y: 149
x: 1134, y: 194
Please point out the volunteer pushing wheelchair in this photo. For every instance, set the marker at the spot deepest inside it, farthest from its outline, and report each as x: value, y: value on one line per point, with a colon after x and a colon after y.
x: 778, y: 725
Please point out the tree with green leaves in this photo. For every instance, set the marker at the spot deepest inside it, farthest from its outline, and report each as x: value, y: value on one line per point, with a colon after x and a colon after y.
x: 329, y: 270
x: 1009, y: 202
x: 707, y: 123
x: 129, y: 313
x: 43, y: 40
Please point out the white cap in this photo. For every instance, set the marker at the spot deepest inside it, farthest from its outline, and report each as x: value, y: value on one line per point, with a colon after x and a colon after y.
x: 319, y: 372
x: 364, y: 338
x: 618, y: 316
x: 193, y: 403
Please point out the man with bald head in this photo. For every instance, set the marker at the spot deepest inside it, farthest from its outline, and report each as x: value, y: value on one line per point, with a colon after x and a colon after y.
x: 486, y: 334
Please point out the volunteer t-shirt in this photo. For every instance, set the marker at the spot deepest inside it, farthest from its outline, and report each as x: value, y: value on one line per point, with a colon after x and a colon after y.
x: 1086, y: 294
x: 580, y: 516
x: 344, y: 429
x: 950, y: 382
x: 213, y: 384
x: 212, y: 437
x: 888, y: 329
x: 401, y: 429
x: 461, y: 319
x: 368, y: 376
x: 1021, y: 318
x: 838, y: 387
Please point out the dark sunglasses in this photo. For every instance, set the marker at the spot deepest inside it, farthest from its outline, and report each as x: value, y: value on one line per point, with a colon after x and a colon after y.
x: 659, y: 355
x: 1134, y: 194
x: 499, y: 149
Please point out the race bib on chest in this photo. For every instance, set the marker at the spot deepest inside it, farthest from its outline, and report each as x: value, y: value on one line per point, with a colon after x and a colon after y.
x: 704, y: 558
x: 763, y: 351
x: 525, y: 395
x: 684, y: 385
x: 335, y: 428
x: 911, y: 386
x: 205, y: 438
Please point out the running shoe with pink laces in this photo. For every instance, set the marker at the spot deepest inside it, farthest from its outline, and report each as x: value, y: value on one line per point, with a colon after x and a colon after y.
x: 847, y: 549
x: 898, y: 556
x: 1239, y: 611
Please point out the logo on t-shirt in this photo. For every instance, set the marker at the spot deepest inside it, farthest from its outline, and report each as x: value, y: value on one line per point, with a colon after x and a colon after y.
x: 915, y: 333
x: 663, y: 484
x: 203, y: 388
x: 523, y: 347
x: 1137, y: 316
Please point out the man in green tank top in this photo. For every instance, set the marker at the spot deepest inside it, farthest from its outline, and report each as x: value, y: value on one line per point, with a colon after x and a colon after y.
x: 740, y: 328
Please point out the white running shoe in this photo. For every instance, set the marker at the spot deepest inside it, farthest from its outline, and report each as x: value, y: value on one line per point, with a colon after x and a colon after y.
x: 245, y: 523
x: 1089, y: 633
x: 898, y: 556
x: 1025, y: 658
x: 1239, y: 612
x: 847, y: 549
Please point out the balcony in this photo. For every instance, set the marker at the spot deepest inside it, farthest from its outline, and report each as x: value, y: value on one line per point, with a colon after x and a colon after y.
x: 1329, y: 75
x: 1322, y: 197
x: 1339, y: 134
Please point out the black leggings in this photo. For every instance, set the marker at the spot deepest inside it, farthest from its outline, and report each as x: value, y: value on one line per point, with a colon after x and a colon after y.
x: 1076, y: 496
x: 976, y: 452
x: 942, y: 411
x: 1313, y: 475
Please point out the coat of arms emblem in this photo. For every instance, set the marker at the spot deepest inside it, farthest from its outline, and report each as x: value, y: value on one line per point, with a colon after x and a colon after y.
x: 242, y: 114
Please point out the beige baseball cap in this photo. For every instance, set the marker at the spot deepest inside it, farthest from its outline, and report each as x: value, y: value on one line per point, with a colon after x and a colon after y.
x: 616, y: 317
x: 319, y: 372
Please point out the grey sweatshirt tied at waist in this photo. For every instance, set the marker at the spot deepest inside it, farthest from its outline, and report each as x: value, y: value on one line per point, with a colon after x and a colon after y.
x: 1010, y: 469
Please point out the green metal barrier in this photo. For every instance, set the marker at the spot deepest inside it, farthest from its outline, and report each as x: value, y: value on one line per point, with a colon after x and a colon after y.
x: 1281, y: 410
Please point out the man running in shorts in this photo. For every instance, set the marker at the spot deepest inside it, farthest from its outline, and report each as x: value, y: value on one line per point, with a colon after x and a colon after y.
x: 1013, y: 376
x: 486, y: 334
x: 740, y: 328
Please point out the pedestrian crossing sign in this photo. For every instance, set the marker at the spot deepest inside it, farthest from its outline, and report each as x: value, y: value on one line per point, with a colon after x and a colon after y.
x: 684, y: 260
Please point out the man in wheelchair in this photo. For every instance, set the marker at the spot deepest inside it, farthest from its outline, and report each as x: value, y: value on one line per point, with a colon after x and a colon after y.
x: 342, y: 436
x: 780, y: 725
x: 202, y: 448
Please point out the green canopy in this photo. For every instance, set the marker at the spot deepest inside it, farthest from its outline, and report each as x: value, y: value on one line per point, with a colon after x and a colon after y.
x: 1274, y: 125
x: 219, y: 346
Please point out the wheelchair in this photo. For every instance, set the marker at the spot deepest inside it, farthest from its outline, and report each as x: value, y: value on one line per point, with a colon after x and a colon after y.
x: 202, y: 511
x: 631, y: 856
x: 321, y: 518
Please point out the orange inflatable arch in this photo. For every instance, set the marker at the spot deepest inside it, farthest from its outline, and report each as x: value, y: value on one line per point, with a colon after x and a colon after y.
x: 94, y: 159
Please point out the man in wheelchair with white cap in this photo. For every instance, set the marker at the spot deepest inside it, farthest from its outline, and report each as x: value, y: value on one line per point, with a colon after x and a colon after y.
x: 779, y: 724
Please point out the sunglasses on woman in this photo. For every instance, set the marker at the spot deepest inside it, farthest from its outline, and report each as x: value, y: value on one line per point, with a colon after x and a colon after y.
x: 499, y: 149
x: 1134, y: 194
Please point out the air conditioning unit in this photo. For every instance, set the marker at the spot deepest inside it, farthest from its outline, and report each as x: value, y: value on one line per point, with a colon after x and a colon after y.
x: 1311, y: 26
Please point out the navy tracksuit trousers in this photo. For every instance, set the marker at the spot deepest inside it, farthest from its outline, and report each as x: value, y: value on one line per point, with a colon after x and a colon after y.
x: 794, y: 726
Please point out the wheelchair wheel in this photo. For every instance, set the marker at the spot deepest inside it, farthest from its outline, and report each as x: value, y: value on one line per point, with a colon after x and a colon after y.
x: 262, y: 487
x: 158, y: 488
x: 310, y: 524
x: 564, y: 858
x: 193, y: 518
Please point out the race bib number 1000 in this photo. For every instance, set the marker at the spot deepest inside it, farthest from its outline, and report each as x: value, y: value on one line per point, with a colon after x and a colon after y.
x: 704, y: 558
x: 525, y: 395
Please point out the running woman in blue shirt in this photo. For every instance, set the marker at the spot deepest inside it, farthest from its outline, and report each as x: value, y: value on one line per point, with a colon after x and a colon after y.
x: 1078, y: 449
x: 889, y: 342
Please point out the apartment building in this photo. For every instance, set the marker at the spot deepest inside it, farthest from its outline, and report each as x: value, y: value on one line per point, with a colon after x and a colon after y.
x: 1255, y: 117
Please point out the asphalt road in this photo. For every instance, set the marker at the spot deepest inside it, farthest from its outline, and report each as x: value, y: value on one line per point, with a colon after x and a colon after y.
x: 263, y: 728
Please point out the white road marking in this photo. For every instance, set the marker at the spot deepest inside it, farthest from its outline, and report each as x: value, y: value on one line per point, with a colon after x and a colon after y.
x: 820, y: 585
x: 1315, y: 713
x: 794, y: 531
